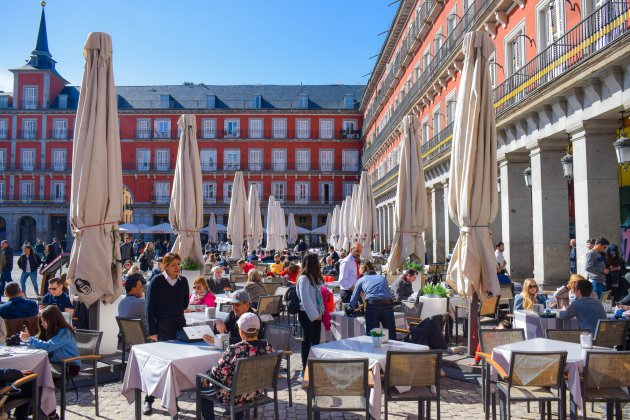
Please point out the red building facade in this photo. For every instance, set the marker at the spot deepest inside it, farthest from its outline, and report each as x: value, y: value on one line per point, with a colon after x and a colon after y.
x: 299, y: 143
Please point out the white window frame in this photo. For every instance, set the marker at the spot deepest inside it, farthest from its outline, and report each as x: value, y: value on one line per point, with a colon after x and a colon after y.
x: 324, y: 165
x: 59, y: 159
x: 322, y: 195
x: 437, y: 119
x: 303, y: 160
x: 279, y: 190
x: 279, y: 128
x: 493, y: 69
x: 162, y: 128
x: 209, y: 128
x: 162, y: 191
x: 162, y: 159
x: 450, y: 105
x: 229, y: 164
x: 232, y: 128
x: 279, y: 166
x: 426, y: 131
x: 209, y: 192
x: 3, y: 190
x: 303, y: 128
x: 256, y: 128
x: 3, y: 159
x: 347, y: 166
x: 208, y: 160
x: 4, y: 128
x: 143, y: 128
x: 227, y: 191
x: 350, y: 126
x: 451, y: 20
x: 60, y: 128
x: 302, y: 192
x: 27, y: 159
x: 347, y: 188
x: 255, y: 158
x: 143, y: 160
x: 30, y: 101
x: 326, y: 128
x: 58, y: 191
x: 259, y: 187
x: 31, y: 131
x: 27, y: 191
x: 509, y: 65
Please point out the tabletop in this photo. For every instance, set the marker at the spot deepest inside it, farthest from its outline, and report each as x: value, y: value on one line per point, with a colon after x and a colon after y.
x: 574, y: 351
x: 199, y: 318
x: 362, y: 347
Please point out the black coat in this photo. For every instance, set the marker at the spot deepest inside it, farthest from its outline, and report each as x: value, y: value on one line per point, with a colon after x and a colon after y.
x: 50, y: 257
x: 33, y: 260
x: 8, y: 258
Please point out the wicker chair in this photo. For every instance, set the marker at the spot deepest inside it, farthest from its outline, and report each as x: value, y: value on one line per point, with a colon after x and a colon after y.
x: 6, y: 404
x: 418, y: 370
x: 269, y: 305
x: 271, y: 287
x: 488, y: 340
x: 88, y: 344
x: 605, y: 374
x: 132, y: 333
x: 280, y: 337
x: 611, y: 333
x: 238, y: 278
x: 489, y: 311
x: 533, y: 376
x: 337, y: 385
x: 250, y: 375
x: 570, y: 336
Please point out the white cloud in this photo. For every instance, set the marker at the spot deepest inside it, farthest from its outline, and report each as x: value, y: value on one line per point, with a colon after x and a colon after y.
x: 6, y: 81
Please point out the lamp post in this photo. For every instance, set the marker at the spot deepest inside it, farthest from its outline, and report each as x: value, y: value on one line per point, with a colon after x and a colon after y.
x: 527, y: 173
x: 622, y: 146
x: 567, y: 166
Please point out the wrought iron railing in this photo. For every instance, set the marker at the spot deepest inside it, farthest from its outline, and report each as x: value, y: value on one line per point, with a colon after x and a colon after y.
x: 438, y: 144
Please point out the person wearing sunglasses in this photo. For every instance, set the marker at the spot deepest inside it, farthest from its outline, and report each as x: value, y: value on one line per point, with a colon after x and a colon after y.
x: 56, y: 297
x: 201, y: 295
x: 530, y: 296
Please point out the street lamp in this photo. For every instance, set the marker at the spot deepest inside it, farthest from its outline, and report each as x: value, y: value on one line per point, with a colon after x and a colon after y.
x: 527, y: 173
x: 622, y: 146
x: 567, y: 166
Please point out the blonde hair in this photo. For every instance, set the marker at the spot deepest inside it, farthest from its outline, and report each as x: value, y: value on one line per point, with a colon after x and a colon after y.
x: 254, y: 276
x: 528, y: 302
x: 200, y: 281
x: 573, y: 280
x: 169, y: 257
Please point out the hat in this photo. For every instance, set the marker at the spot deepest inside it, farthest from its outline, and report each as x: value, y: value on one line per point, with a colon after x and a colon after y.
x: 240, y: 296
x: 248, y: 322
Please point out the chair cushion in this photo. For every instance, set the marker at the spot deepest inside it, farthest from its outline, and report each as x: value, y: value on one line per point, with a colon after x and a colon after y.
x: 528, y: 392
x: 346, y: 403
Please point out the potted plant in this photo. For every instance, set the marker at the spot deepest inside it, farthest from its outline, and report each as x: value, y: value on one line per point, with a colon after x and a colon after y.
x: 191, y: 269
x: 435, y: 291
x: 377, y: 337
x: 413, y: 265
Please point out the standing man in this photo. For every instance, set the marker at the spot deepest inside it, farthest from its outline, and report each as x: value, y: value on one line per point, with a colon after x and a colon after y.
x: 332, y: 253
x: 595, y: 265
x: 498, y: 253
x: 349, y: 272
x: 5, y: 277
x: 126, y: 249
x: 28, y: 262
x: 402, y: 285
x: 572, y: 257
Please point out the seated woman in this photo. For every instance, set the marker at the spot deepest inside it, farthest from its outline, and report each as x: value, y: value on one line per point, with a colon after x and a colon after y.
x: 254, y: 288
x: 201, y: 294
x: 55, y: 336
x: 291, y: 272
x: 564, y: 293
x: 529, y: 296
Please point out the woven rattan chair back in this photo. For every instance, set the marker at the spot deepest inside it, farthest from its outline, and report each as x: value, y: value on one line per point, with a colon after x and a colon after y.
x: 570, y: 336
x: 607, y: 369
x: 271, y: 287
x: 269, y: 305
x: 238, y: 278
x: 255, y: 373
x: 338, y: 377
x: 279, y: 336
x: 605, y: 296
x: 413, y: 369
x: 611, y: 333
x: 88, y: 342
x: 490, y: 306
x: 132, y: 331
x: 489, y: 339
x: 412, y: 311
x: 506, y: 294
x: 537, y: 369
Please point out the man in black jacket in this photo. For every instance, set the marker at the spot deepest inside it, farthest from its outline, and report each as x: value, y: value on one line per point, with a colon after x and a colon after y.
x: 5, y: 276
x: 126, y: 249
x: 29, y: 262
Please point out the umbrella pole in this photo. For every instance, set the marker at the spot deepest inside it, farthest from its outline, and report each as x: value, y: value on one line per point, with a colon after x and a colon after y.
x: 473, y: 324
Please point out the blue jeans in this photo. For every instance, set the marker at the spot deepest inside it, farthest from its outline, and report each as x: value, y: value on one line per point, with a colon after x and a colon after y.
x: 33, y: 276
x: 5, y: 277
x: 599, y: 288
x: 380, y: 314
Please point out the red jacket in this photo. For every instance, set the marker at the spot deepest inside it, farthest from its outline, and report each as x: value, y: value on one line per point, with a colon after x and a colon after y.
x: 247, y: 266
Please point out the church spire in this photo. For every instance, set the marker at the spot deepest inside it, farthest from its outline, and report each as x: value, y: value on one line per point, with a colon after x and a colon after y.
x: 41, y: 48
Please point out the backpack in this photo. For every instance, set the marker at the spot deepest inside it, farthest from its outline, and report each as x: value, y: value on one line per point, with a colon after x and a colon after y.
x: 435, y: 278
x: 292, y: 301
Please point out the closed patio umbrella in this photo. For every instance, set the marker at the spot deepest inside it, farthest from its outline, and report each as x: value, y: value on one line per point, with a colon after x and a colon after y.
x: 255, y: 219
x: 238, y: 227
x: 367, y: 224
x: 186, y: 209
x: 213, y: 233
x: 411, y: 215
x: 96, y: 185
x: 272, y: 232
x: 282, y: 227
x: 473, y: 195
x: 333, y: 233
x: 327, y: 226
x: 292, y: 232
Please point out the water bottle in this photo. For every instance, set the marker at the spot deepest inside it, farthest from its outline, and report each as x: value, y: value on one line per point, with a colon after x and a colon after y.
x: 547, y: 306
x: 571, y: 298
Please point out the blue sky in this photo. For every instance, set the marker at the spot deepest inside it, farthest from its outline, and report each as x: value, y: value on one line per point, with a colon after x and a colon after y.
x: 211, y: 41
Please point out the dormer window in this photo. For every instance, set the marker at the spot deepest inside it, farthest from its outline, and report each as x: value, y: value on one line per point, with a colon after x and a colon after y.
x: 303, y: 101
x: 257, y: 102
x: 348, y: 101
x: 211, y: 101
x: 63, y: 101
x: 165, y: 101
x: 4, y: 102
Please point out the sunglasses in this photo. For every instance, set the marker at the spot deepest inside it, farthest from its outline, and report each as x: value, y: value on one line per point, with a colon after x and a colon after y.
x: 533, y: 286
x: 52, y: 289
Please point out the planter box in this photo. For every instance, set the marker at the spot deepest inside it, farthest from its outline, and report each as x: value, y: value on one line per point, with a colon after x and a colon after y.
x: 191, y: 276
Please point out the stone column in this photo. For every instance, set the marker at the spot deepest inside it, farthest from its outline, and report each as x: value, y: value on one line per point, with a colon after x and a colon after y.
x: 550, y: 213
x: 437, y: 220
x: 516, y: 216
x: 595, y: 184
x: 385, y: 226
x: 379, y: 218
x: 428, y: 233
x: 390, y: 218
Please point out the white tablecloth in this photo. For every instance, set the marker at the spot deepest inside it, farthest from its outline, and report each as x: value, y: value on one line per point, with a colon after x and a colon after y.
x: 37, y: 362
x: 199, y: 318
x: 535, y: 326
x: 576, y: 356
x: 343, y: 326
x: 167, y: 368
x: 221, y: 298
x: 362, y: 347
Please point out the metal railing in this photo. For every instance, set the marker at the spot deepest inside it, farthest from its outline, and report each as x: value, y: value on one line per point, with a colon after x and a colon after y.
x: 60, y: 134
x: 311, y: 199
x: 601, y: 29
x: 438, y: 144
x: 29, y: 200
x: 28, y: 134
x: 226, y: 103
x: 250, y: 167
x: 442, y: 56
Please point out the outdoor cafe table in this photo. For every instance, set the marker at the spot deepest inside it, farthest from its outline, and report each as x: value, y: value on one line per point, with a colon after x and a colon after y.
x: 362, y: 347
x: 343, y: 326
x: 22, y: 358
x: 535, y: 325
x: 576, y: 357
x: 165, y: 369
x: 199, y: 318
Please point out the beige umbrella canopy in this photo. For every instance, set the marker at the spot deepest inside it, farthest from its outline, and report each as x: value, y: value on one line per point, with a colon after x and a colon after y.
x: 473, y: 195
x: 273, y: 240
x: 282, y: 227
x: 238, y: 228
x: 411, y: 215
x: 367, y: 224
x: 96, y: 184
x: 255, y: 219
x: 292, y: 230
x: 213, y: 233
x: 186, y: 209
